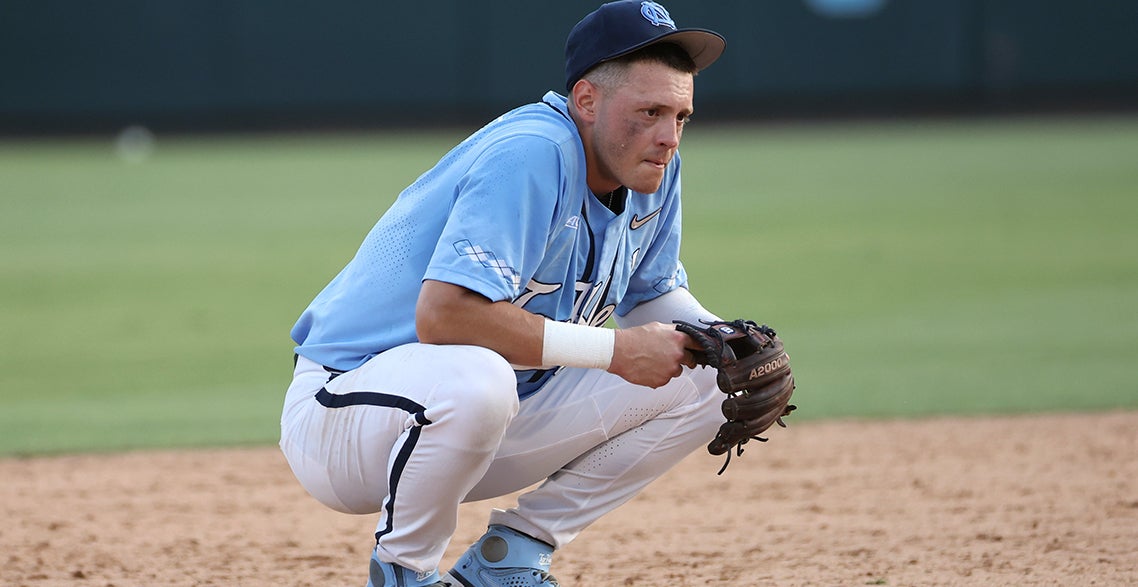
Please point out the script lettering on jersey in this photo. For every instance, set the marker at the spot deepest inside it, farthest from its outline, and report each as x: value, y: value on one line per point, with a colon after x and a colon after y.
x: 587, y: 301
x: 533, y: 289
x: 591, y: 313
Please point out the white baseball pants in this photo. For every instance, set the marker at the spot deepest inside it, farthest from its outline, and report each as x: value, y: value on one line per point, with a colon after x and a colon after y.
x: 421, y: 428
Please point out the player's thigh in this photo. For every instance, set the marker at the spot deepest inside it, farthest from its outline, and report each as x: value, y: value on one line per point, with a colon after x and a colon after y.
x: 339, y: 434
x: 582, y: 408
x: 580, y: 402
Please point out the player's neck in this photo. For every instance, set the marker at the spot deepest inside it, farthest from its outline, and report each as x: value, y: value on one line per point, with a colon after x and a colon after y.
x: 614, y: 200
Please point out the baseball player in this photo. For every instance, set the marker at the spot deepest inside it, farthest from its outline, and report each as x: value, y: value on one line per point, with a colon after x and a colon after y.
x: 463, y: 353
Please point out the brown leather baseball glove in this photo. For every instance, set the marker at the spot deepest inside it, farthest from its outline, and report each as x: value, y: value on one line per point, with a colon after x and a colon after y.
x: 753, y: 370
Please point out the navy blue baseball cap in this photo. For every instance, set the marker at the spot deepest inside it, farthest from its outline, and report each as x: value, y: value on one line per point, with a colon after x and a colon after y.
x: 619, y: 28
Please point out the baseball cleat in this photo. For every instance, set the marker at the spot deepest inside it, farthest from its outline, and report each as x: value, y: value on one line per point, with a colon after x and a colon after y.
x: 381, y: 574
x: 504, y: 557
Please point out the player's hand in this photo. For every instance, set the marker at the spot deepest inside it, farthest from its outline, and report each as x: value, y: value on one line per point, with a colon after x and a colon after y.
x: 651, y: 354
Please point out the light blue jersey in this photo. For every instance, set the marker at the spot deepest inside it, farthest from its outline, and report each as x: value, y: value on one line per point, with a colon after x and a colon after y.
x: 507, y: 214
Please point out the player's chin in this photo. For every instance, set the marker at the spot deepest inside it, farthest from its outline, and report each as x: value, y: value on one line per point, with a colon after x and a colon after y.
x: 647, y: 179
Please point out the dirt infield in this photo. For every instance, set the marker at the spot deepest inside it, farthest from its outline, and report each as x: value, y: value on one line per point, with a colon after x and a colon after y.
x: 1040, y: 500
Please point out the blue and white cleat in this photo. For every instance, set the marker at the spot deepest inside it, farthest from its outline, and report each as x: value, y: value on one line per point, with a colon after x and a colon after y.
x: 381, y: 574
x: 504, y: 557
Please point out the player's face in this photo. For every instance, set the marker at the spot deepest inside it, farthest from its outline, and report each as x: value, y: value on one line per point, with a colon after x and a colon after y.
x: 638, y: 127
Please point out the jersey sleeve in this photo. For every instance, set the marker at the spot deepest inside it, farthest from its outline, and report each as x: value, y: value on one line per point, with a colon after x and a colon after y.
x: 496, y: 232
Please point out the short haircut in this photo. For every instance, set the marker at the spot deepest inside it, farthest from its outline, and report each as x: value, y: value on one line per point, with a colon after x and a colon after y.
x: 614, y: 71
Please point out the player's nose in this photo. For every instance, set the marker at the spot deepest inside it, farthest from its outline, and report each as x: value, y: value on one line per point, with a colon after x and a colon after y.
x: 669, y: 136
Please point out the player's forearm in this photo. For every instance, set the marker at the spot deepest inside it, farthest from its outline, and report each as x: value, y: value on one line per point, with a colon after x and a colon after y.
x: 678, y: 304
x: 451, y: 314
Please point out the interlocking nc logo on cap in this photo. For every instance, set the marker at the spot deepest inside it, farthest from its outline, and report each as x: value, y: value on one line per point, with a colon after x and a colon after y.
x: 657, y: 15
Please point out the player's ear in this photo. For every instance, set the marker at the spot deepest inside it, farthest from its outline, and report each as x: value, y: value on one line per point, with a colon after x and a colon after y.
x: 584, y: 98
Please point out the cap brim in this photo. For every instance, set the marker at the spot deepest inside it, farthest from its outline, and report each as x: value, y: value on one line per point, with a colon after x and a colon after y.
x: 702, y: 45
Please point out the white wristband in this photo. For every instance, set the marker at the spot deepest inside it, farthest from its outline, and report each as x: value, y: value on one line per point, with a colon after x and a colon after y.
x: 577, y: 345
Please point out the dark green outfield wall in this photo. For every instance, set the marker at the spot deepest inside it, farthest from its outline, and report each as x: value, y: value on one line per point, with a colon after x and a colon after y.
x: 218, y: 64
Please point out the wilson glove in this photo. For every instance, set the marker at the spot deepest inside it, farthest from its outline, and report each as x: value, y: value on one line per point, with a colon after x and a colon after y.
x: 753, y: 370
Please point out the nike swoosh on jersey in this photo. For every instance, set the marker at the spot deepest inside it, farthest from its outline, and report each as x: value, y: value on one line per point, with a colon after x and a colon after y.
x: 638, y: 222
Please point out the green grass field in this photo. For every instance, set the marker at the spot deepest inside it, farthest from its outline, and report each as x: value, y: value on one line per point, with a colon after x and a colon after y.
x: 913, y: 268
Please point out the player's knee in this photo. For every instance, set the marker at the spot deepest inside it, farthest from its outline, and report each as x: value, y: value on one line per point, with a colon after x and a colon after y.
x: 706, y: 396
x: 488, y: 381
x: 478, y: 398
x: 703, y: 383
